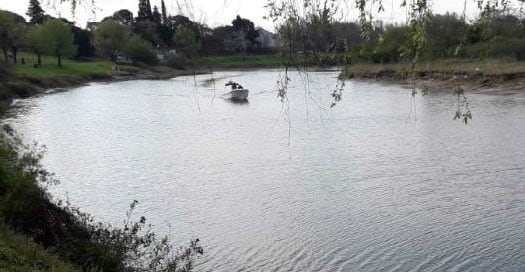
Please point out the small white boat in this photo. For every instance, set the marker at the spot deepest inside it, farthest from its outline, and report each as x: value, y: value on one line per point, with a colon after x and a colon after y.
x: 237, y: 93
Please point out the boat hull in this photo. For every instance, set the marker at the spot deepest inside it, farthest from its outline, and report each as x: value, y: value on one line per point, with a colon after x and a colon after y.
x: 239, y: 95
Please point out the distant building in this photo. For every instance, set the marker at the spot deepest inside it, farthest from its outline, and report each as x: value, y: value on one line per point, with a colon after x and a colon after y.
x: 163, y: 54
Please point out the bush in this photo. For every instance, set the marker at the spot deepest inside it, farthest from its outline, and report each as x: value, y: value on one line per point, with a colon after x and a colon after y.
x: 498, y: 47
x: 178, y: 62
x: 140, y: 51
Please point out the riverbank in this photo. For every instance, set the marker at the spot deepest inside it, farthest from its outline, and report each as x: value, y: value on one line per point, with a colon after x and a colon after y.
x: 23, y: 85
x: 493, y: 76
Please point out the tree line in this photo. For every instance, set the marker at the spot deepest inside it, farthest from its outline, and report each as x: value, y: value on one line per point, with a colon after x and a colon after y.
x: 492, y: 35
x: 124, y: 34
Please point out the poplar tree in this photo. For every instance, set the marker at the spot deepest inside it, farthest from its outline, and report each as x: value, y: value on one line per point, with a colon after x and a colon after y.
x: 142, y: 15
x: 156, y: 17
x: 164, y: 13
x: 148, y: 10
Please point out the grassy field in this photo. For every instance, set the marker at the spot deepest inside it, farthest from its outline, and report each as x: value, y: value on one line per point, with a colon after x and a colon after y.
x: 50, y: 68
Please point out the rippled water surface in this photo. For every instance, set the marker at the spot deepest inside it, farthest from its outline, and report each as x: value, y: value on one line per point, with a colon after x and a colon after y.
x: 381, y: 182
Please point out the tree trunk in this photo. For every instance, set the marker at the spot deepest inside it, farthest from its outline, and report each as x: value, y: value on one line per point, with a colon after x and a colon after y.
x: 6, y: 58
x: 39, y: 59
x: 59, y: 61
x: 15, y: 53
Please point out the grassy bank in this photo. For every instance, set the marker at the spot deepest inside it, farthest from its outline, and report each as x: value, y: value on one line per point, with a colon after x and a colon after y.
x: 473, y: 75
x: 69, y: 67
x: 18, y: 253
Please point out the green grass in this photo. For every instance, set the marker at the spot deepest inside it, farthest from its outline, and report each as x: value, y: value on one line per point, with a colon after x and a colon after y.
x: 17, y: 253
x: 50, y: 67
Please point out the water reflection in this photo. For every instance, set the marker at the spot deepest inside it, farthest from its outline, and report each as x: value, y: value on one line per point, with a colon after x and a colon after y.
x: 244, y: 102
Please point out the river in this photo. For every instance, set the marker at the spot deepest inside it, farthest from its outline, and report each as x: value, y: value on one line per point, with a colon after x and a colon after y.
x: 382, y: 182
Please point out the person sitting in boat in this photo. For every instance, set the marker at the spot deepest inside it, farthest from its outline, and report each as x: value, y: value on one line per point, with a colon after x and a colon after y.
x: 235, y: 85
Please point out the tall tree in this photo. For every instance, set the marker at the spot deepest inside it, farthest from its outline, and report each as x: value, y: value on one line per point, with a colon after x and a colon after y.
x: 109, y: 38
x: 12, y: 28
x: 143, y: 13
x: 164, y: 13
x: 186, y: 41
x: 148, y: 10
x: 36, y: 41
x: 156, y: 17
x: 244, y: 33
x: 123, y: 16
x: 35, y: 12
x: 139, y: 51
x: 59, y: 40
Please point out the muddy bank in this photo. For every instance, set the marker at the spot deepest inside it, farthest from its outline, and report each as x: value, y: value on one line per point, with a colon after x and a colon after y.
x: 502, y: 80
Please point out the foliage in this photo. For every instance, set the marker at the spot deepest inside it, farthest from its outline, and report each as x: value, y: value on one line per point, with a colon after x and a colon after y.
x: 36, y: 41
x: 244, y: 34
x: 390, y: 44
x: 58, y: 40
x: 84, y: 40
x: 444, y: 34
x: 110, y: 38
x: 164, y: 13
x: 12, y: 27
x: 123, y: 16
x: 186, y: 42
x: 17, y: 253
x: 35, y: 12
x: 139, y: 51
x: 178, y: 62
x: 144, y: 12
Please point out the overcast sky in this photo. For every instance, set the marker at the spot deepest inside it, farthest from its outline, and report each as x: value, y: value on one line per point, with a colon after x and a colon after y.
x: 213, y: 12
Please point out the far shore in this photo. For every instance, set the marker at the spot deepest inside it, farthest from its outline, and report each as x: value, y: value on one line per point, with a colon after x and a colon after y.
x: 487, y: 77
x: 474, y: 76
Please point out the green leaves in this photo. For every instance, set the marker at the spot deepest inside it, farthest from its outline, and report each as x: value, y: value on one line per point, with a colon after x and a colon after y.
x: 57, y: 39
x: 463, y: 110
x: 186, y: 41
x: 337, y: 94
x: 110, y: 37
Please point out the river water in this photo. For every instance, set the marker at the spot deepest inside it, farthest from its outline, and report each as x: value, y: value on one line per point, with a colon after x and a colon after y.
x: 381, y: 182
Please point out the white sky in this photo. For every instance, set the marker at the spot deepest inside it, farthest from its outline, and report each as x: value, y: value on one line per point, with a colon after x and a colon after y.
x: 215, y: 12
